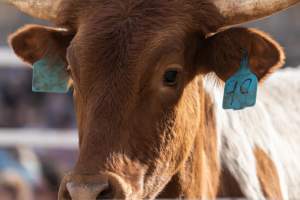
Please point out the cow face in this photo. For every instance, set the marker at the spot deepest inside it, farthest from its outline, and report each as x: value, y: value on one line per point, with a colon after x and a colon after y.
x: 137, y: 77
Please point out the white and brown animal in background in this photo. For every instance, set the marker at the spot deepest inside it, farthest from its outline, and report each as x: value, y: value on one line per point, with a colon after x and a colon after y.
x: 146, y: 123
x: 260, y: 145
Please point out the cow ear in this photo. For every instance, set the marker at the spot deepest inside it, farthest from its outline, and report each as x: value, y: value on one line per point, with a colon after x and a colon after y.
x: 222, y: 53
x: 33, y: 42
x: 45, y: 48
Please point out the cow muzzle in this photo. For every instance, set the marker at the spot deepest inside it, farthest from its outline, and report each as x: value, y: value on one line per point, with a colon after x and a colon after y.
x: 92, y: 187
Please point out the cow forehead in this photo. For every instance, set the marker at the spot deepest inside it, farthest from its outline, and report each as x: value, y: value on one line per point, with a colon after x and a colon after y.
x: 131, y: 32
x: 123, y: 46
x: 125, y: 42
x: 127, y: 25
x: 123, y: 30
x: 129, y: 35
x: 203, y: 15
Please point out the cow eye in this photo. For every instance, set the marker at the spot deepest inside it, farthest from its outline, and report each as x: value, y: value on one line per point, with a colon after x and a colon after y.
x: 171, y: 77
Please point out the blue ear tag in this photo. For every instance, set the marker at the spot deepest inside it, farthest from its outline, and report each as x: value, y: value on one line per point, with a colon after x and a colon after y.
x: 50, y: 77
x: 241, y: 89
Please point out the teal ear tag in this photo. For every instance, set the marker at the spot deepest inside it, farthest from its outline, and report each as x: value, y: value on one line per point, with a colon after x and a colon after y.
x: 50, y: 76
x: 241, y: 89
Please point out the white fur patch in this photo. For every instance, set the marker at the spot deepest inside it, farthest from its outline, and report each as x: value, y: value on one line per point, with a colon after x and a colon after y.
x: 272, y: 125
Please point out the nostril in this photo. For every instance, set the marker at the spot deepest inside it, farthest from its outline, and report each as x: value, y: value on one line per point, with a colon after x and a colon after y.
x: 66, y: 195
x: 106, y: 193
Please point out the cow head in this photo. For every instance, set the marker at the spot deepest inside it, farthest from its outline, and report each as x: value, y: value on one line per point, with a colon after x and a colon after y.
x: 137, y: 69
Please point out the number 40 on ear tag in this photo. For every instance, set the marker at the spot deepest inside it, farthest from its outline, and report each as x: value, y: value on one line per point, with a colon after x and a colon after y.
x: 241, y: 89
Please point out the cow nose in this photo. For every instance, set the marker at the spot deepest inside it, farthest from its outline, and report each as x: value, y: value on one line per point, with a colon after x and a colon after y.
x: 78, y: 191
x: 93, y: 187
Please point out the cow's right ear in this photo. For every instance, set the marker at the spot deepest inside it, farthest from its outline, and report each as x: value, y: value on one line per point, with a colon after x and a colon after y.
x: 33, y: 42
x: 222, y: 53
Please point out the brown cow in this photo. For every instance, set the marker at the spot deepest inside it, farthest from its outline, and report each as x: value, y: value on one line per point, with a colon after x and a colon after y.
x: 146, y: 125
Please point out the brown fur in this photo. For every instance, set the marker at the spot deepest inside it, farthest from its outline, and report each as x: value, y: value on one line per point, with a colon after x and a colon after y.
x: 199, y: 176
x: 34, y: 42
x: 229, y: 187
x: 255, y: 42
x: 268, y: 175
x: 136, y: 133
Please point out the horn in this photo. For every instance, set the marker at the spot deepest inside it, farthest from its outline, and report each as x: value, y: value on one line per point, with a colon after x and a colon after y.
x: 42, y: 9
x: 241, y: 11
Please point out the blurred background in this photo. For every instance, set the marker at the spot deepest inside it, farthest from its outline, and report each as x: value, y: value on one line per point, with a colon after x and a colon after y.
x: 38, y: 131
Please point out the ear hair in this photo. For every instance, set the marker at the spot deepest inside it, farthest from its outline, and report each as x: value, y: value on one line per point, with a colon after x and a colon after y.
x: 222, y: 52
x: 33, y: 42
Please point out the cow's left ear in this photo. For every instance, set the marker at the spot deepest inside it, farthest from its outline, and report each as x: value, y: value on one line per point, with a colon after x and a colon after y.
x: 34, y: 42
x: 45, y: 48
x: 222, y: 53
